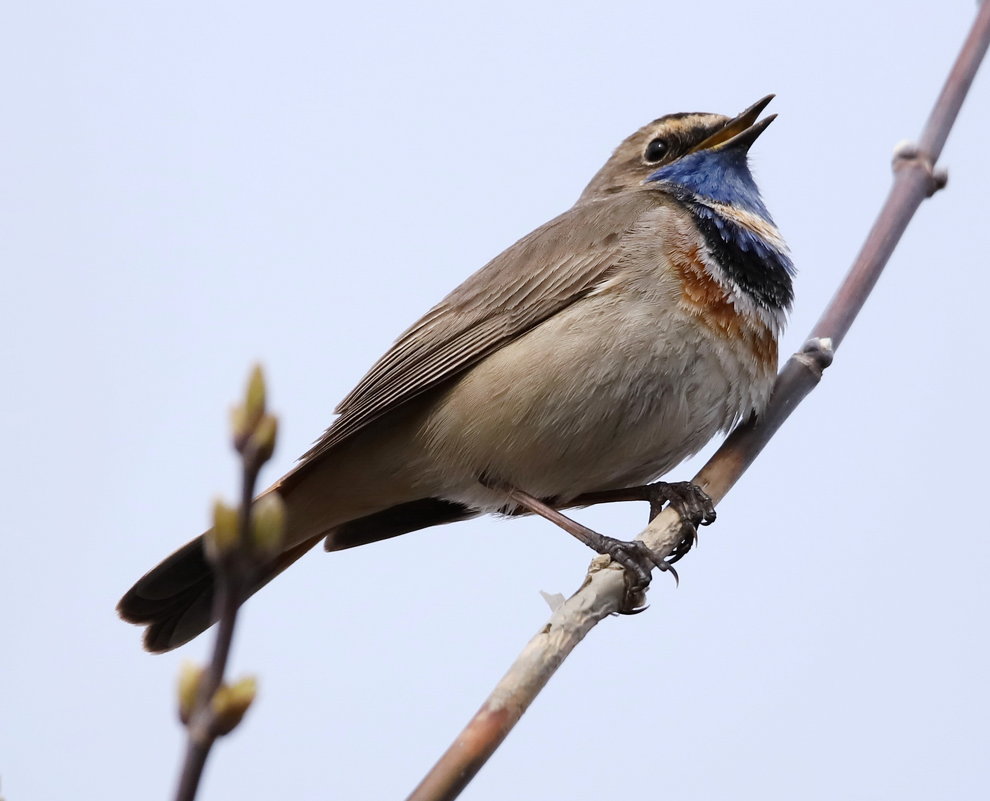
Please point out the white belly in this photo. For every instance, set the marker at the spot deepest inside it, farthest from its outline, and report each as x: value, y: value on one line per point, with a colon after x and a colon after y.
x: 615, y: 391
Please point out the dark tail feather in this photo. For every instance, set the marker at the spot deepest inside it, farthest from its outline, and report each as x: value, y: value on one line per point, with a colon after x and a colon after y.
x: 175, y: 599
x: 397, y: 520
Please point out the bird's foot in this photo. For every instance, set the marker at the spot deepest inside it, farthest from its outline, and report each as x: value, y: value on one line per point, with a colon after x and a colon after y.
x: 638, y: 559
x: 635, y: 556
x: 691, y: 501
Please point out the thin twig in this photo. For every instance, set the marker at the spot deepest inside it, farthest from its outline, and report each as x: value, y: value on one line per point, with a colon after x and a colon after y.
x: 604, y: 587
x: 236, y: 550
x: 230, y: 574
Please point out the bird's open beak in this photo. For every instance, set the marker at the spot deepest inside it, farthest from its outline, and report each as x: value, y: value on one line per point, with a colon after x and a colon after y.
x: 740, y: 131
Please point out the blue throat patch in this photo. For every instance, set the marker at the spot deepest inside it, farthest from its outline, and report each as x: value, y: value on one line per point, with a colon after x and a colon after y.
x: 721, y: 175
x: 757, y: 266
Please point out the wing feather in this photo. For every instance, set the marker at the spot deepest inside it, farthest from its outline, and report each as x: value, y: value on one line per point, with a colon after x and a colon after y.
x: 545, y: 271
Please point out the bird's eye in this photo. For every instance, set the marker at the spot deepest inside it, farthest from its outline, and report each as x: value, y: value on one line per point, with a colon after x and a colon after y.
x: 656, y: 150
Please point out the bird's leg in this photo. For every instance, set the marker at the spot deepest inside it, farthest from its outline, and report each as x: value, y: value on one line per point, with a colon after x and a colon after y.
x: 634, y: 555
x: 690, y: 500
x: 692, y: 503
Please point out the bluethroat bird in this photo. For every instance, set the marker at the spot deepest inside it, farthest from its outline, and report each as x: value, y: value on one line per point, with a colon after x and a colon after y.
x: 577, y: 366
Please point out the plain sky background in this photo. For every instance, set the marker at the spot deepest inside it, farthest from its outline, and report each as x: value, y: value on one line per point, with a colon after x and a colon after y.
x: 188, y: 187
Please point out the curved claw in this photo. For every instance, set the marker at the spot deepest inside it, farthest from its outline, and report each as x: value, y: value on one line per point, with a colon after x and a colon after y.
x: 690, y: 500
x: 638, y: 560
x: 689, y: 539
x: 635, y: 557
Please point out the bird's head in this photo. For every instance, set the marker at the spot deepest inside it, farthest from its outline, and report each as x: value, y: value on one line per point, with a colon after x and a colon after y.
x: 704, y: 154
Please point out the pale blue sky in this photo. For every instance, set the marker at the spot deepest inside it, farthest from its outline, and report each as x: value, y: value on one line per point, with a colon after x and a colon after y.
x: 188, y: 187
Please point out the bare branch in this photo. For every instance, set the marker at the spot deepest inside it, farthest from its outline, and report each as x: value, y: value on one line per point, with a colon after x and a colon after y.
x: 602, y: 592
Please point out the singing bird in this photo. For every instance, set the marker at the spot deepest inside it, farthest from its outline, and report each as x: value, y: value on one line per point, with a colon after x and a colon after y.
x: 594, y: 354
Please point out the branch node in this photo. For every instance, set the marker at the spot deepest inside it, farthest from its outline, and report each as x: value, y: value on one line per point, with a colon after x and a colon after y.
x: 940, y: 178
x: 908, y: 154
x: 816, y: 354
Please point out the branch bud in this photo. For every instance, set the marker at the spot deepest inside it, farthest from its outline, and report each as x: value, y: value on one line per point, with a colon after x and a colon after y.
x: 268, y: 524
x: 223, y: 537
x: 261, y: 444
x: 230, y: 703
x: 239, y: 428
x: 244, y: 419
x: 190, y: 678
x: 254, y: 398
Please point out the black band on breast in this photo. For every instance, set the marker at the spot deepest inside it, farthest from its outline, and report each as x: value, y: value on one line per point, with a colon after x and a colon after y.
x: 759, y: 269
